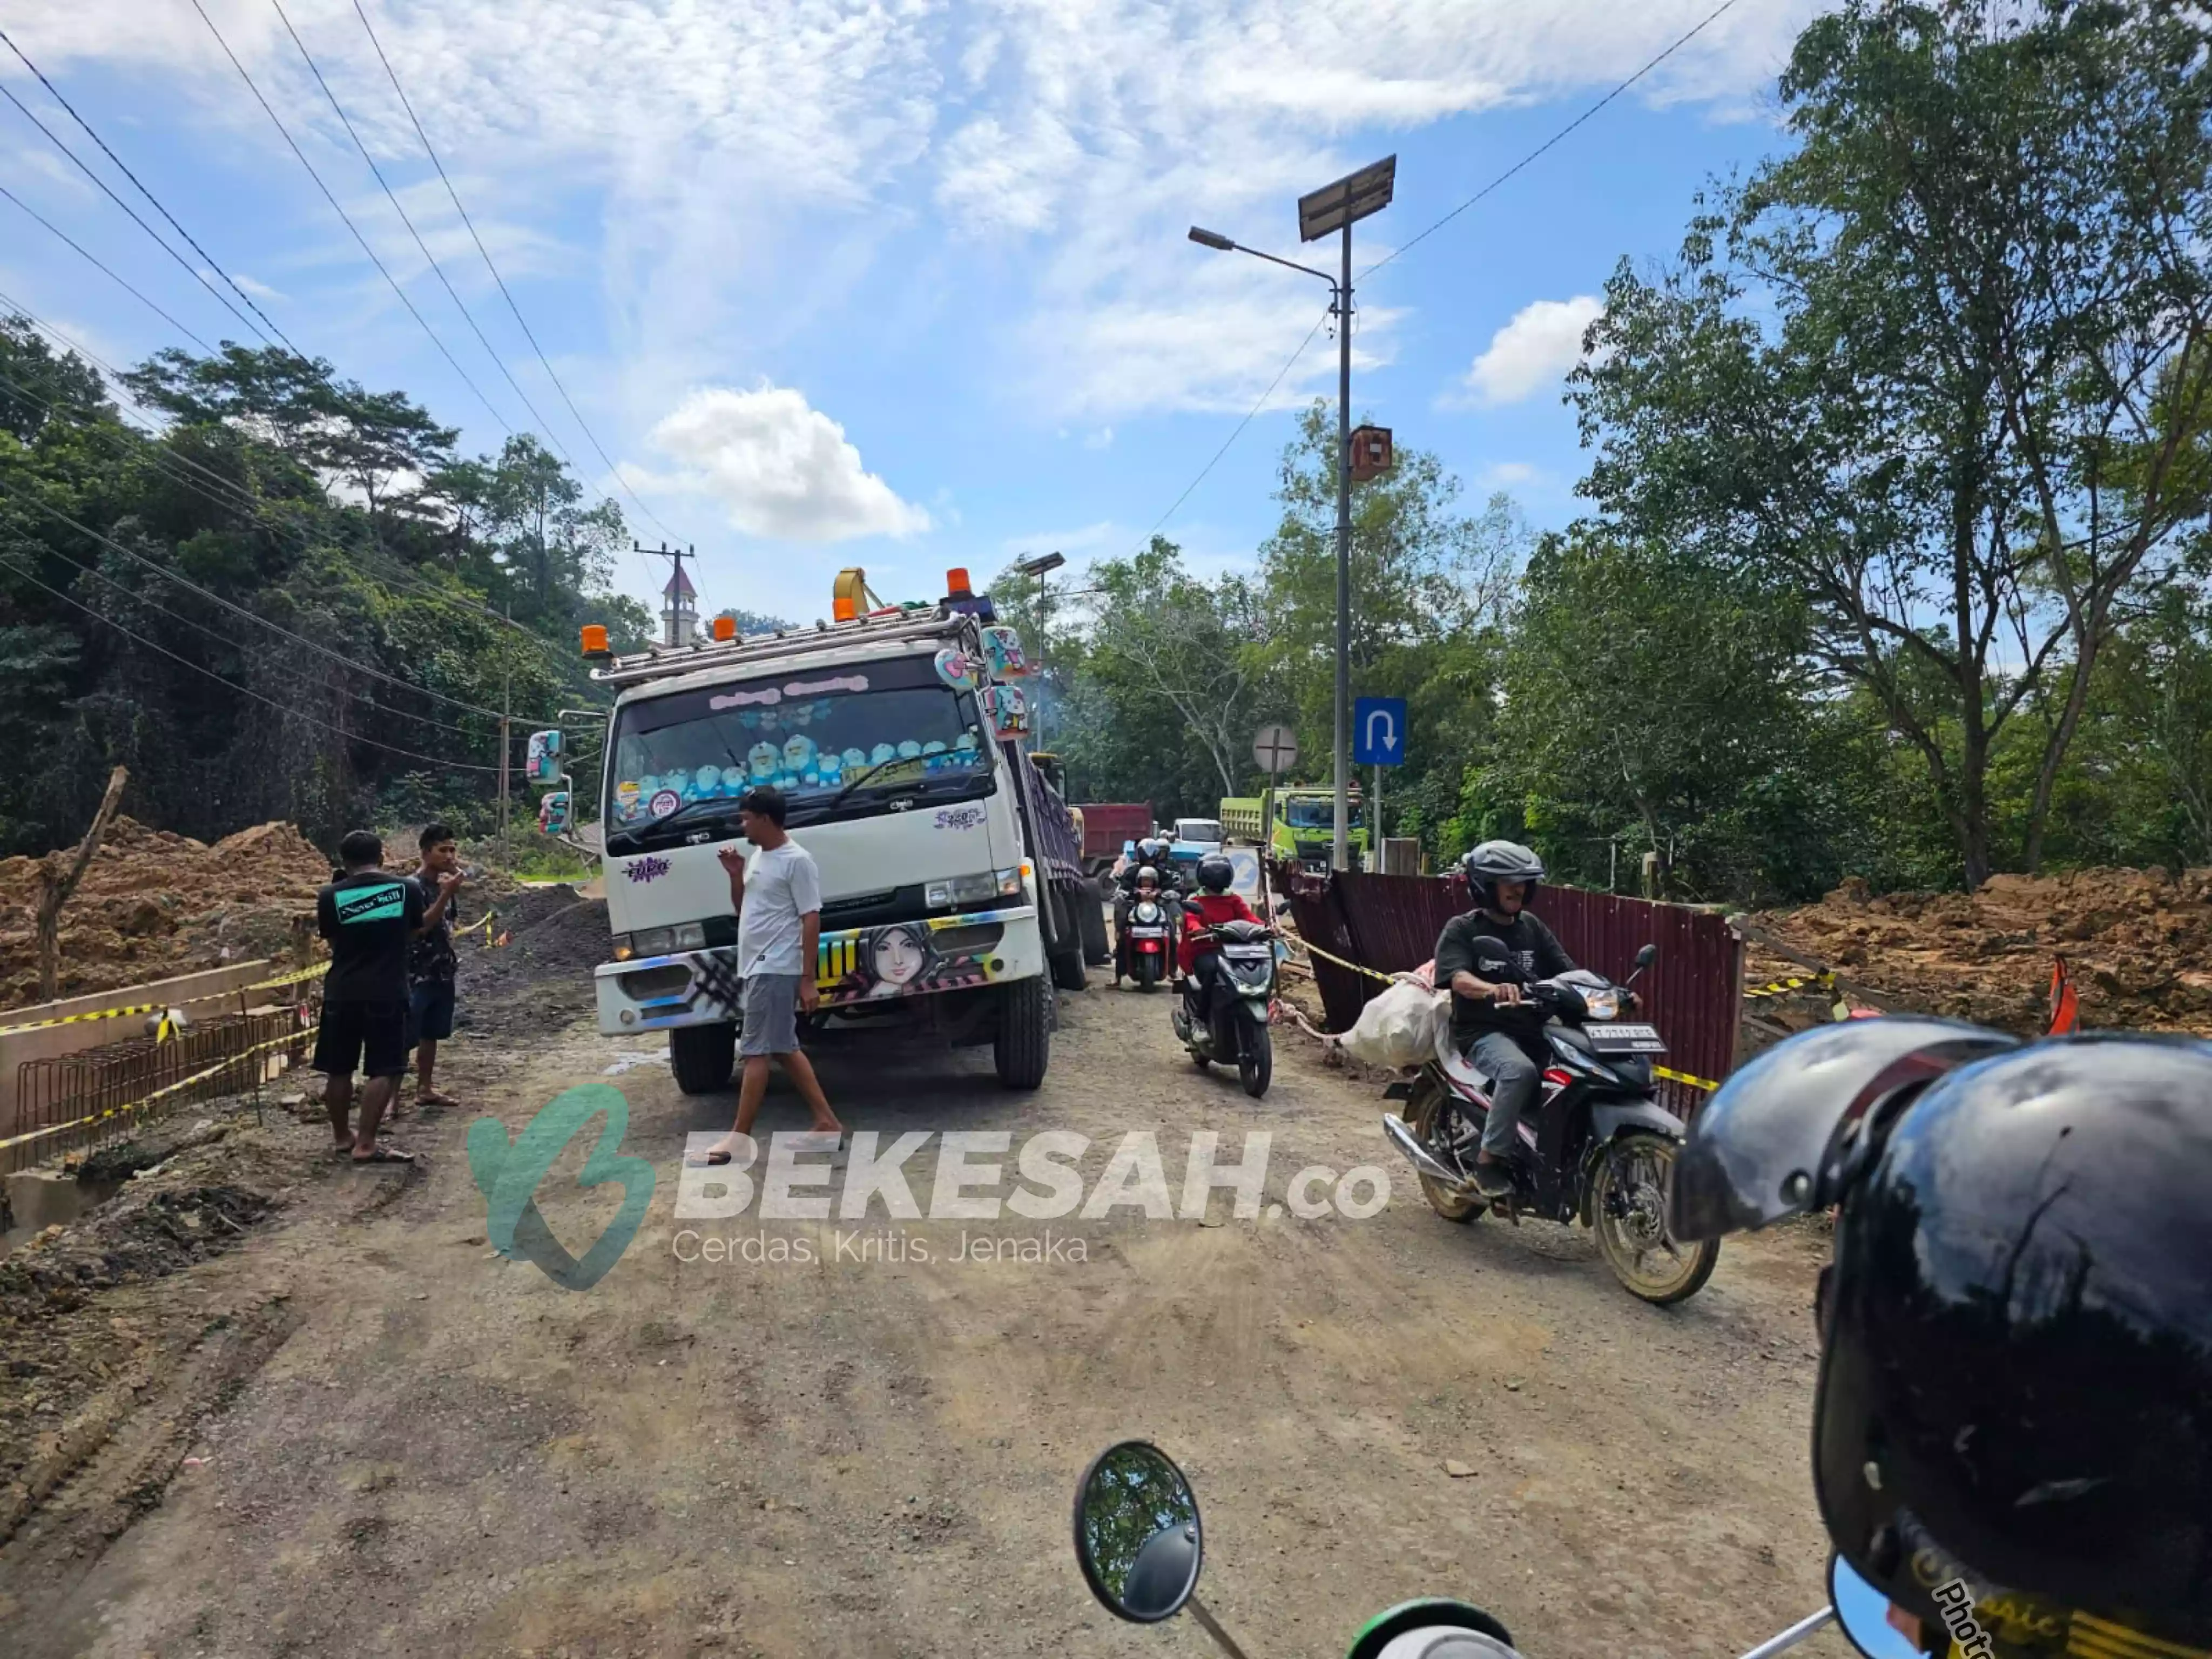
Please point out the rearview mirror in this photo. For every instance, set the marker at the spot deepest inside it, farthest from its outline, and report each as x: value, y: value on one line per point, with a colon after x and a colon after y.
x: 1862, y: 1613
x: 1137, y: 1532
x: 1647, y: 956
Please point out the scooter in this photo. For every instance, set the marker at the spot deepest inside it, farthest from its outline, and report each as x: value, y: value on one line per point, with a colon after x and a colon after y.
x: 1226, y: 1002
x: 1149, y: 943
x: 1140, y: 1545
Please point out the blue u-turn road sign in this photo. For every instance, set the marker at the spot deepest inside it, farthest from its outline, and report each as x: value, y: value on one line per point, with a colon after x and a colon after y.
x: 1378, y: 732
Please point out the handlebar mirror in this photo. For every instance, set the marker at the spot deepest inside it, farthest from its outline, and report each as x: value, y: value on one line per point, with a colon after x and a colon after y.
x: 1864, y: 1613
x: 1646, y: 957
x: 1137, y: 1532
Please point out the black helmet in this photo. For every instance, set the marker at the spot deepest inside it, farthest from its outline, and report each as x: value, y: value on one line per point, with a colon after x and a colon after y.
x: 2015, y: 1386
x: 1153, y: 850
x: 1215, y: 874
x: 1500, y: 861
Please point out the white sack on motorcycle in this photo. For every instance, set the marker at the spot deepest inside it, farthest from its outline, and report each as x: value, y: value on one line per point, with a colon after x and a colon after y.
x: 1400, y: 1027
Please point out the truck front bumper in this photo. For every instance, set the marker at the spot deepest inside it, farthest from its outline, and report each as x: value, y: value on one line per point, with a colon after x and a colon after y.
x: 913, y: 958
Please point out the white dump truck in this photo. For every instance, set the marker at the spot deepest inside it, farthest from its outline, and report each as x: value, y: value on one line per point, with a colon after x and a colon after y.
x: 949, y: 871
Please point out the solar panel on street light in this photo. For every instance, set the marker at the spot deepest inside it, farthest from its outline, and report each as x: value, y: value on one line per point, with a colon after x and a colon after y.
x: 1349, y: 198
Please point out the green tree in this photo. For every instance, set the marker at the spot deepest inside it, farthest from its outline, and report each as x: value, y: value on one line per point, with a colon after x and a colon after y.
x: 1967, y: 434
x: 1427, y: 581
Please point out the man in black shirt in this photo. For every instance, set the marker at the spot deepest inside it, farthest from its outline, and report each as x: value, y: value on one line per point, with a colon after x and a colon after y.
x: 1486, y: 956
x: 431, y: 963
x: 369, y: 916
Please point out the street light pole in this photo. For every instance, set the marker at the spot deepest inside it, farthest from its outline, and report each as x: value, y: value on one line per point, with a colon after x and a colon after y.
x: 1335, y: 207
x: 1340, y: 856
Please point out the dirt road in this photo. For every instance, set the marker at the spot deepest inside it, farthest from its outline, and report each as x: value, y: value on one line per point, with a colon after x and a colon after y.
x: 377, y: 1438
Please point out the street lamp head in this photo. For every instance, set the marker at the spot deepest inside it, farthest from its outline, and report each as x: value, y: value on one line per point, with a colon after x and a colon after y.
x: 1043, y: 565
x: 1213, y: 239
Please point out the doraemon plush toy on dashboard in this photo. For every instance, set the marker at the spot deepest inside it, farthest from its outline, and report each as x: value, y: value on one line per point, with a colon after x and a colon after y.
x: 763, y: 761
x: 799, y: 753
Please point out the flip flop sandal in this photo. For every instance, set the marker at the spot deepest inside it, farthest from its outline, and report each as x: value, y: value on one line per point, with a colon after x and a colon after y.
x: 390, y: 1155
x: 713, y: 1160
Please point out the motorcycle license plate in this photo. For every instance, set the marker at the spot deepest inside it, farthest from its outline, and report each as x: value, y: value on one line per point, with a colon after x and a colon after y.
x: 1617, y: 1038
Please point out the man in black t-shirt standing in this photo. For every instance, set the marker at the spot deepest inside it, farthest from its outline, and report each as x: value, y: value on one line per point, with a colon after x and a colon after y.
x: 369, y: 916
x: 1486, y: 956
x: 431, y: 963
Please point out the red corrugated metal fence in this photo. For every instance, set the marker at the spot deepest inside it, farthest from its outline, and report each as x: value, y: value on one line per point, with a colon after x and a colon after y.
x: 1693, y: 992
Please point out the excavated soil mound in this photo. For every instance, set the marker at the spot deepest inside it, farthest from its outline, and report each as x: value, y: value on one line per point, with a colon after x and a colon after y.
x: 154, y: 903
x: 542, y: 976
x: 2139, y: 943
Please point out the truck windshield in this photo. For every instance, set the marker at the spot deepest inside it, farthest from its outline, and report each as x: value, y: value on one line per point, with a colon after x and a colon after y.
x: 1199, y: 829
x: 1310, y: 813
x: 839, y: 742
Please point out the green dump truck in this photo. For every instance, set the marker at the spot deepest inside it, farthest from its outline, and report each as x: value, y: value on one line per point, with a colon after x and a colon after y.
x: 1302, y: 818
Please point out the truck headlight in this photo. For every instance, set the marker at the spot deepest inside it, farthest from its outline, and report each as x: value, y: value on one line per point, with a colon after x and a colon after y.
x: 974, y: 890
x: 663, y: 941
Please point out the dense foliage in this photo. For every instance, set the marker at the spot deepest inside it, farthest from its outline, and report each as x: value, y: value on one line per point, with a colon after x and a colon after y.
x: 290, y: 598
x: 1896, y: 566
x: 1901, y: 478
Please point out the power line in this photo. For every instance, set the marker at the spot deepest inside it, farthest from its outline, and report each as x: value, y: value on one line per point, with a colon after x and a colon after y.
x: 124, y: 170
x: 282, y: 708
x: 467, y: 316
x: 104, y: 271
x: 1531, y: 155
x: 54, y: 138
x: 239, y: 500
x: 543, y: 362
x: 251, y: 616
x: 132, y: 593
x: 373, y: 260
x: 1684, y: 40
x: 1248, y: 414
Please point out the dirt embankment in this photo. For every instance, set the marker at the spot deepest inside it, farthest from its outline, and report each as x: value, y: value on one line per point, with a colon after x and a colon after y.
x: 2139, y: 943
x: 154, y: 903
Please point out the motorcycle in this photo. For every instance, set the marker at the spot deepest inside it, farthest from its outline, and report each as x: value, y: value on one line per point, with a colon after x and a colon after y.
x: 1594, y: 1145
x: 1147, y: 942
x: 1141, y: 1545
x: 1226, y: 1000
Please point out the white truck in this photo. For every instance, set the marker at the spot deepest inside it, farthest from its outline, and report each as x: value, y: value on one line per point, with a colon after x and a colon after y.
x: 948, y: 869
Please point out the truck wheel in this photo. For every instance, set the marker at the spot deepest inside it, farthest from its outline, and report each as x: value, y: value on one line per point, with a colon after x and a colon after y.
x: 701, y: 1056
x: 1090, y: 927
x: 1024, y: 1043
x: 1066, y: 957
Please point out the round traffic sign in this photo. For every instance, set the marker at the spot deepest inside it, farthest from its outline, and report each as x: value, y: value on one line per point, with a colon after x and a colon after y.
x: 1275, y: 749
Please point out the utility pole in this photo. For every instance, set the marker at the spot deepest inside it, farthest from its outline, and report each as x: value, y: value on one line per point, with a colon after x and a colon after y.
x: 1335, y: 207
x: 1340, y: 856
x: 506, y: 747
x: 675, y: 614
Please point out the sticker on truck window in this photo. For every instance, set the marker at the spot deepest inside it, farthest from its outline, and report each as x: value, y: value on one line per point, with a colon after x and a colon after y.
x: 960, y: 817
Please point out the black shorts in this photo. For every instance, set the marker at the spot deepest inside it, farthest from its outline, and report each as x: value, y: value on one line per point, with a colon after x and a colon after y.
x: 430, y: 1011
x: 369, y: 1037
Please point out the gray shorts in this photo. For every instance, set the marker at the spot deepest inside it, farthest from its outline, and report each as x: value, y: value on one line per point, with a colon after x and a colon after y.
x: 770, y: 1015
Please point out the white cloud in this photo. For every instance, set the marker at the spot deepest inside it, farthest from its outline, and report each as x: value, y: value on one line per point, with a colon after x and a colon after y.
x: 782, y: 469
x: 1504, y: 475
x: 1086, y: 538
x: 1101, y: 439
x: 1541, y: 344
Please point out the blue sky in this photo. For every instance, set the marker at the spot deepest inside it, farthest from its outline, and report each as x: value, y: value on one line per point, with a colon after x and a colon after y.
x: 899, y: 284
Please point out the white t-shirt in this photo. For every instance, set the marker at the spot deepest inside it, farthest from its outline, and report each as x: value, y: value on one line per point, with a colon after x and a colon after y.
x: 781, y: 886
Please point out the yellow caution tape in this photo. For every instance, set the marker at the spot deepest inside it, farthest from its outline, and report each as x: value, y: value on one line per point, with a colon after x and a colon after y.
x: 1704, y: 1083
x: 167, y: 1090
x: 314, y: 971
x: 1784, y: 986
x: 1312, y: 948
x: 78, y: 1019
